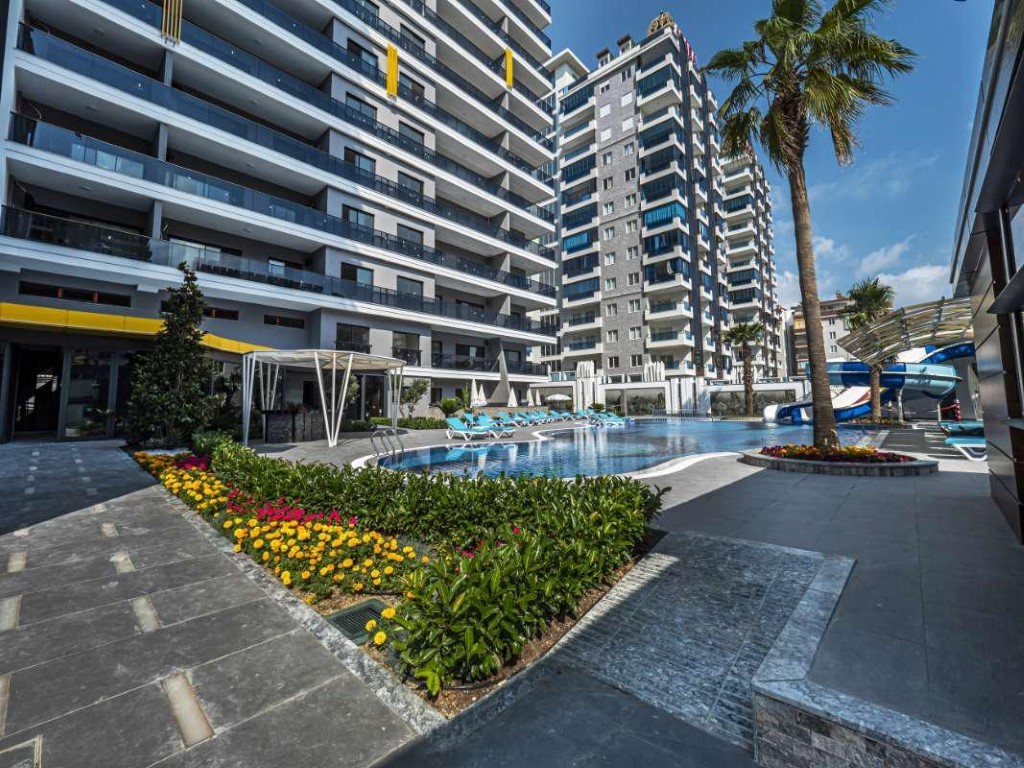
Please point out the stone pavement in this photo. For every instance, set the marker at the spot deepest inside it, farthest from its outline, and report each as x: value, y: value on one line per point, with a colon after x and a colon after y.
x: 128, y: 639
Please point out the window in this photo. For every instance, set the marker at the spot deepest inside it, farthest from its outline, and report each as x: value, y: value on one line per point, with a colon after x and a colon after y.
x: 404, y: 129
x: 607, y: 184
x: 630, y: 174
x: 608, y: 208
x: 604, y: 87
x: 611, y: 310
x: 635, y: 334
x: 831, y: 334
x: 283, y: 321
x: 606, y: 158
x: 609, y: 283
x: 632, y: 252
x: 631, y: 199
x: 609, y: 258
x: 634, y: 305
x: 605, y: 110
x: 360, y: 106
x: 613, y: 361
x: 832, y: 349
x: 86, y: 295
x: 636, y: 361
x: 626, y: 99
x: 352, y: 338
x: 627, y: 124
x: 412, y: 39
x: 409, y: 286
x: 220, y: 313
x: 276, y: 267
x: 360, y: 161
x: 360, y: 275
x: 611, y: 336
x: 411, y: 183
x: 410, y: 234
x: 627, y: 73
x: 357, y: 217
x: 609, y: 233
x: 365, y: 56
x: 633, y: 278
x: 407, y: 83
x: 631, y: 226
x: 628, y: 149
x: 606, y: 134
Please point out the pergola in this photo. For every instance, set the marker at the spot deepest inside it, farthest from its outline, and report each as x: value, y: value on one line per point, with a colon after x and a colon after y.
x: 334, y: 370
x: 933, y: 323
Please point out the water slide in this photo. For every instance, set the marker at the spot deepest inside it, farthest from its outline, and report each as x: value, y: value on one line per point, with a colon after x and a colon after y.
x: 925, y: 375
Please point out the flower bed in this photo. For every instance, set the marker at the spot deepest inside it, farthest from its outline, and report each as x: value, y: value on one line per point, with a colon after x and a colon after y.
x: 474, y: 569
x: 848, y: 454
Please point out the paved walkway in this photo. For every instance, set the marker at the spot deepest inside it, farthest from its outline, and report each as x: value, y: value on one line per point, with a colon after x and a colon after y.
x: 128, y: 639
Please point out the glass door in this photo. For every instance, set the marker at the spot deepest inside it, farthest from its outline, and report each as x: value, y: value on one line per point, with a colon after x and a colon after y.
x: 88, y: 413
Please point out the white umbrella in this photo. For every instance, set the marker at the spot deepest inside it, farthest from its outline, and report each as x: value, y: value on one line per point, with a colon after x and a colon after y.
x: 476, y: 395
x: 556, y: 398
x: 512, y: 402
x: 529, y: 399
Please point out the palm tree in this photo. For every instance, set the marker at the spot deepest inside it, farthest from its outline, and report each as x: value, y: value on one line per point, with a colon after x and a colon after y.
x: 807, y: 67
x: 872, y: 299
x: 742, y: 335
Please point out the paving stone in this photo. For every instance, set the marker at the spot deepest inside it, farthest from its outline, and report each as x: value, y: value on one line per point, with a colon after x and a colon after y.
x: 191, y: 600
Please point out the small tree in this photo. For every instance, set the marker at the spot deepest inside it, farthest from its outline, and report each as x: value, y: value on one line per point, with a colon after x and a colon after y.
x: 872, y: 300
x: 449, y: 406
x: 413, y: 393
x: 742, y: 335
x: 171, y: 396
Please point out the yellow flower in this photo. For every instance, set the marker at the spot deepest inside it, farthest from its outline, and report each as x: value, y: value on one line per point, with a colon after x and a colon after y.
x: 379, y: 638
x: 388, y: 570
x: 228, y: 523
x: 388, y: 613
x: 266, y: 556
x: 346, y: 563
x: 425, y: 559
x: 305, y: 575
x: 358, y: 586
x: 286, y: 578
x: 375, y: 573
x: 368, y: 562
x: 371, y: 625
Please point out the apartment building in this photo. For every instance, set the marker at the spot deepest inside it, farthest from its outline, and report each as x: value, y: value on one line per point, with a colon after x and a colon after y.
x: 366, y: 176
x: 753, y: 283
x: 834, y: 325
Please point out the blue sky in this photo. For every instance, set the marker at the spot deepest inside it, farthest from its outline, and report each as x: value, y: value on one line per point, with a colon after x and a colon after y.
x: 893, y: 211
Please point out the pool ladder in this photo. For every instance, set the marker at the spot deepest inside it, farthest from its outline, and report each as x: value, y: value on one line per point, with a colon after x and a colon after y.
x: 387, y: 443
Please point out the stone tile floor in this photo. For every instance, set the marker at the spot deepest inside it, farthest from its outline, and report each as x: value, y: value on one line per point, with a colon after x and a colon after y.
x: 115, y: 603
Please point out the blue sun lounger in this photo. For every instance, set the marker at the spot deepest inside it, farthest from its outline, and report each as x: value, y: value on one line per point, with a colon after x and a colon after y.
x: 972, y: 448
x: 466, y: 431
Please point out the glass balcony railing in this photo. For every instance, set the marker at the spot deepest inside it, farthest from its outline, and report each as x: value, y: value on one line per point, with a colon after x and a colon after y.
x: 369, y: 16
x: 410, y: 356
x: 113, y: 158
x: 343, y: 345
x: 28, y: 225
x: 60, y: 52
x: 511, y: 6
x: 576, y: 346
x: 227, y: 52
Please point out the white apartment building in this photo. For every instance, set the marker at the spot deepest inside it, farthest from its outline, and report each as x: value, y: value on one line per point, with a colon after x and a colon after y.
x: 367, y: 176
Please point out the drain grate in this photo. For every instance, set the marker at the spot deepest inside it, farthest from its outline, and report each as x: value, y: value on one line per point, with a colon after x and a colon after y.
x: 352, y: 620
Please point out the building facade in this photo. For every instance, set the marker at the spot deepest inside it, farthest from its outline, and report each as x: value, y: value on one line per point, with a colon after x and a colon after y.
x: 366, y: 176
x: 643, y: 266
x: 988, y: 255
x: 749, y: 246
x: 834, y: 325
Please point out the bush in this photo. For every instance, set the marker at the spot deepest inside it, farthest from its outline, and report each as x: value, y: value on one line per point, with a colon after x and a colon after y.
x: 449, y: 406
x: 414, y: 422
x: 204, y: 443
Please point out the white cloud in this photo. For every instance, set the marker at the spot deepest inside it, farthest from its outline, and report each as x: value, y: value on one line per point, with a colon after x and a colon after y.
x: 789, y: 288
x: 926, y: 282
x: 827, y: 248
x: 886, y: 257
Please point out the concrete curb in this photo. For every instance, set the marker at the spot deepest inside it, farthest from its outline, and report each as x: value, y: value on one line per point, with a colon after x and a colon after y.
x: 905, y: 469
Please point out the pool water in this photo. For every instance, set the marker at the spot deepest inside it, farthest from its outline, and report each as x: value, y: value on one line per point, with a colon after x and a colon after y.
x: 589, y: 450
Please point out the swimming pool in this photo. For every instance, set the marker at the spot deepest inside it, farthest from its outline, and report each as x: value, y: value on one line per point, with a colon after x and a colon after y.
x: 572, y: 451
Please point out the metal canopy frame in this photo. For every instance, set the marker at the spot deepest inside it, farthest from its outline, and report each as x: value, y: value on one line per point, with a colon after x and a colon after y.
x: 265, y: 367
x: 933, y: 323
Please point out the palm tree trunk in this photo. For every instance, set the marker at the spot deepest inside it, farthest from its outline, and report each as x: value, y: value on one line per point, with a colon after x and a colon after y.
x: 748, y: 380
x: 825, y: 433
x: 875, y: 381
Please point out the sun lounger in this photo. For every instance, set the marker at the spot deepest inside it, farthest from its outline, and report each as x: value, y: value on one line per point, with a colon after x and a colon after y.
x: 972, y: 448
x: 466, y: 431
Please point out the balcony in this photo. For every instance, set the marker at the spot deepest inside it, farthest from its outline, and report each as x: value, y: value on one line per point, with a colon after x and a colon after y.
x: 52, y: 230
x: 669, y: 309
x: 113, y: 158
x: 669, y: 338
x: 410, y: 356
x: 663, y: 283
x: 221, y: 49
x: 583, y: 347
x: 343, y: 345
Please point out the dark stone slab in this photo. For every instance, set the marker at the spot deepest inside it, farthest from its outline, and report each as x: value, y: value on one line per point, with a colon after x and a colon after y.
x: 202, y: 597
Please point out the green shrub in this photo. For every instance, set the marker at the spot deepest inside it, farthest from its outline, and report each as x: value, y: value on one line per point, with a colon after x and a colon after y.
x: 412, y: 422
x: 449, y: 406
x: 205, y: 443
x: 511, y: 553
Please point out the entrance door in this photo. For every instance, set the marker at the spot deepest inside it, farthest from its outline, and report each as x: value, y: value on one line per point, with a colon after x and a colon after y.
x: 36, y: 401
x: 88, y: 409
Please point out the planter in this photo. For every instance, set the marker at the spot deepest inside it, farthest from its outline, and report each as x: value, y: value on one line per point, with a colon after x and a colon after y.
x: 843, y: 469
x: 298, y: 427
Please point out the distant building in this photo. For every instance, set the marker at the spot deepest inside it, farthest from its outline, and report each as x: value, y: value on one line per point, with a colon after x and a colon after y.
x: 834, y: 325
